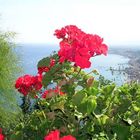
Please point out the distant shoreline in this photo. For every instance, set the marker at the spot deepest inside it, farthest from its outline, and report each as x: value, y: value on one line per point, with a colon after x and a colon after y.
x: 133, y: 71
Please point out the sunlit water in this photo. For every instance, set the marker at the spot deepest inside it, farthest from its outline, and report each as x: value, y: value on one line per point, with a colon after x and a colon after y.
x: 112, y: 67
x: 31, y: 54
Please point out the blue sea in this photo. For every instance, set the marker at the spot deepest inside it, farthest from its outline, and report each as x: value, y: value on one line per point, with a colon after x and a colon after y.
x: 107, y: 66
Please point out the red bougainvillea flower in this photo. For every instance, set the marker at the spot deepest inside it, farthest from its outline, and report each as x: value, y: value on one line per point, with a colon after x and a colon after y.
x: 52, y: 92
x: 28, y: 83
x: 43, y: 69
x: 55, y: 135
x: 78, y: 47
x: 60, y: 33
x: 68, y: 137
x: 37, y: 84
x: 46, y: 68
x: 1, y: 135
x: 52, y: 62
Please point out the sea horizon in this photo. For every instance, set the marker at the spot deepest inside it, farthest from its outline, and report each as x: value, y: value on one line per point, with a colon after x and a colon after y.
x: 32, y: 53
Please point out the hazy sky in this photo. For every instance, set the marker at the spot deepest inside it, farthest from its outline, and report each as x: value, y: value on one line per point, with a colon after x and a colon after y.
x: 117, y: 21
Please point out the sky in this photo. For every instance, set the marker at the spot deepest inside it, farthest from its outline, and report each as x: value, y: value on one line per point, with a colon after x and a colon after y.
x: 34, y: 21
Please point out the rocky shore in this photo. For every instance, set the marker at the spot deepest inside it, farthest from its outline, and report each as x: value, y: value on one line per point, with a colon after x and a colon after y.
x: 133, y: 71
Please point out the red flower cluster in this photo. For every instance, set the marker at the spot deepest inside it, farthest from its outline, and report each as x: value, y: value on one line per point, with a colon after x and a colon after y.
x: 1, y: 135
x: 28, y: 83
x: 55, y: 135
x: 78, y: 47
x: 52, y: 92
x: 46, y: 68
x: 43, y: 69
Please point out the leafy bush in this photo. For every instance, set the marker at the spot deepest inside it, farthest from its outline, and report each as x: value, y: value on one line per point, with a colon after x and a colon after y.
x: 92, y: 111
x: 9, y: 68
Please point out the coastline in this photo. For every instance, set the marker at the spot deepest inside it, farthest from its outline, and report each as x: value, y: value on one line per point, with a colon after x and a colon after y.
x: 133, y: 69
x: 126, y: 71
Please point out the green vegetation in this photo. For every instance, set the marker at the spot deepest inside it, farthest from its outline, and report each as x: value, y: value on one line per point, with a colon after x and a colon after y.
x: 64, y: 97
x: 9, y: 70
x: 89, y: 110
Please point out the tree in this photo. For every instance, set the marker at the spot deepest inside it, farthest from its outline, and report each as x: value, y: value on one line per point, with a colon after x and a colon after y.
x: 9, y: 70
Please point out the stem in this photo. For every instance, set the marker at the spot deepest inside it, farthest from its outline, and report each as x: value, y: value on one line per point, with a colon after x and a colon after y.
x: 42, y: 110
x: 65, y: 121
x: 88, y: 73
x: 78, y: 72
x: 94, y: 115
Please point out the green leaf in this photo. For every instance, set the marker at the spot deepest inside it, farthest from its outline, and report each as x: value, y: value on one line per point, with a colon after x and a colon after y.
x: 93, y: 91
x: 96, y: 84
x: 78, y: 98
x: 82, y: 107
x: 44, y: 62
x: 91, y: 104
x: 17, y: 136
x: 136, y: 108
x: 47, y: 78
x: 104, y: 119
x: 85, y: 104
x: 123, y: 132
x: 108, y: 89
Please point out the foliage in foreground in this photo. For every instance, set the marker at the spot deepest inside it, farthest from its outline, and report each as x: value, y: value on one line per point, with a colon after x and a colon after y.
x: 92, y: 111
x: 9, y: 110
